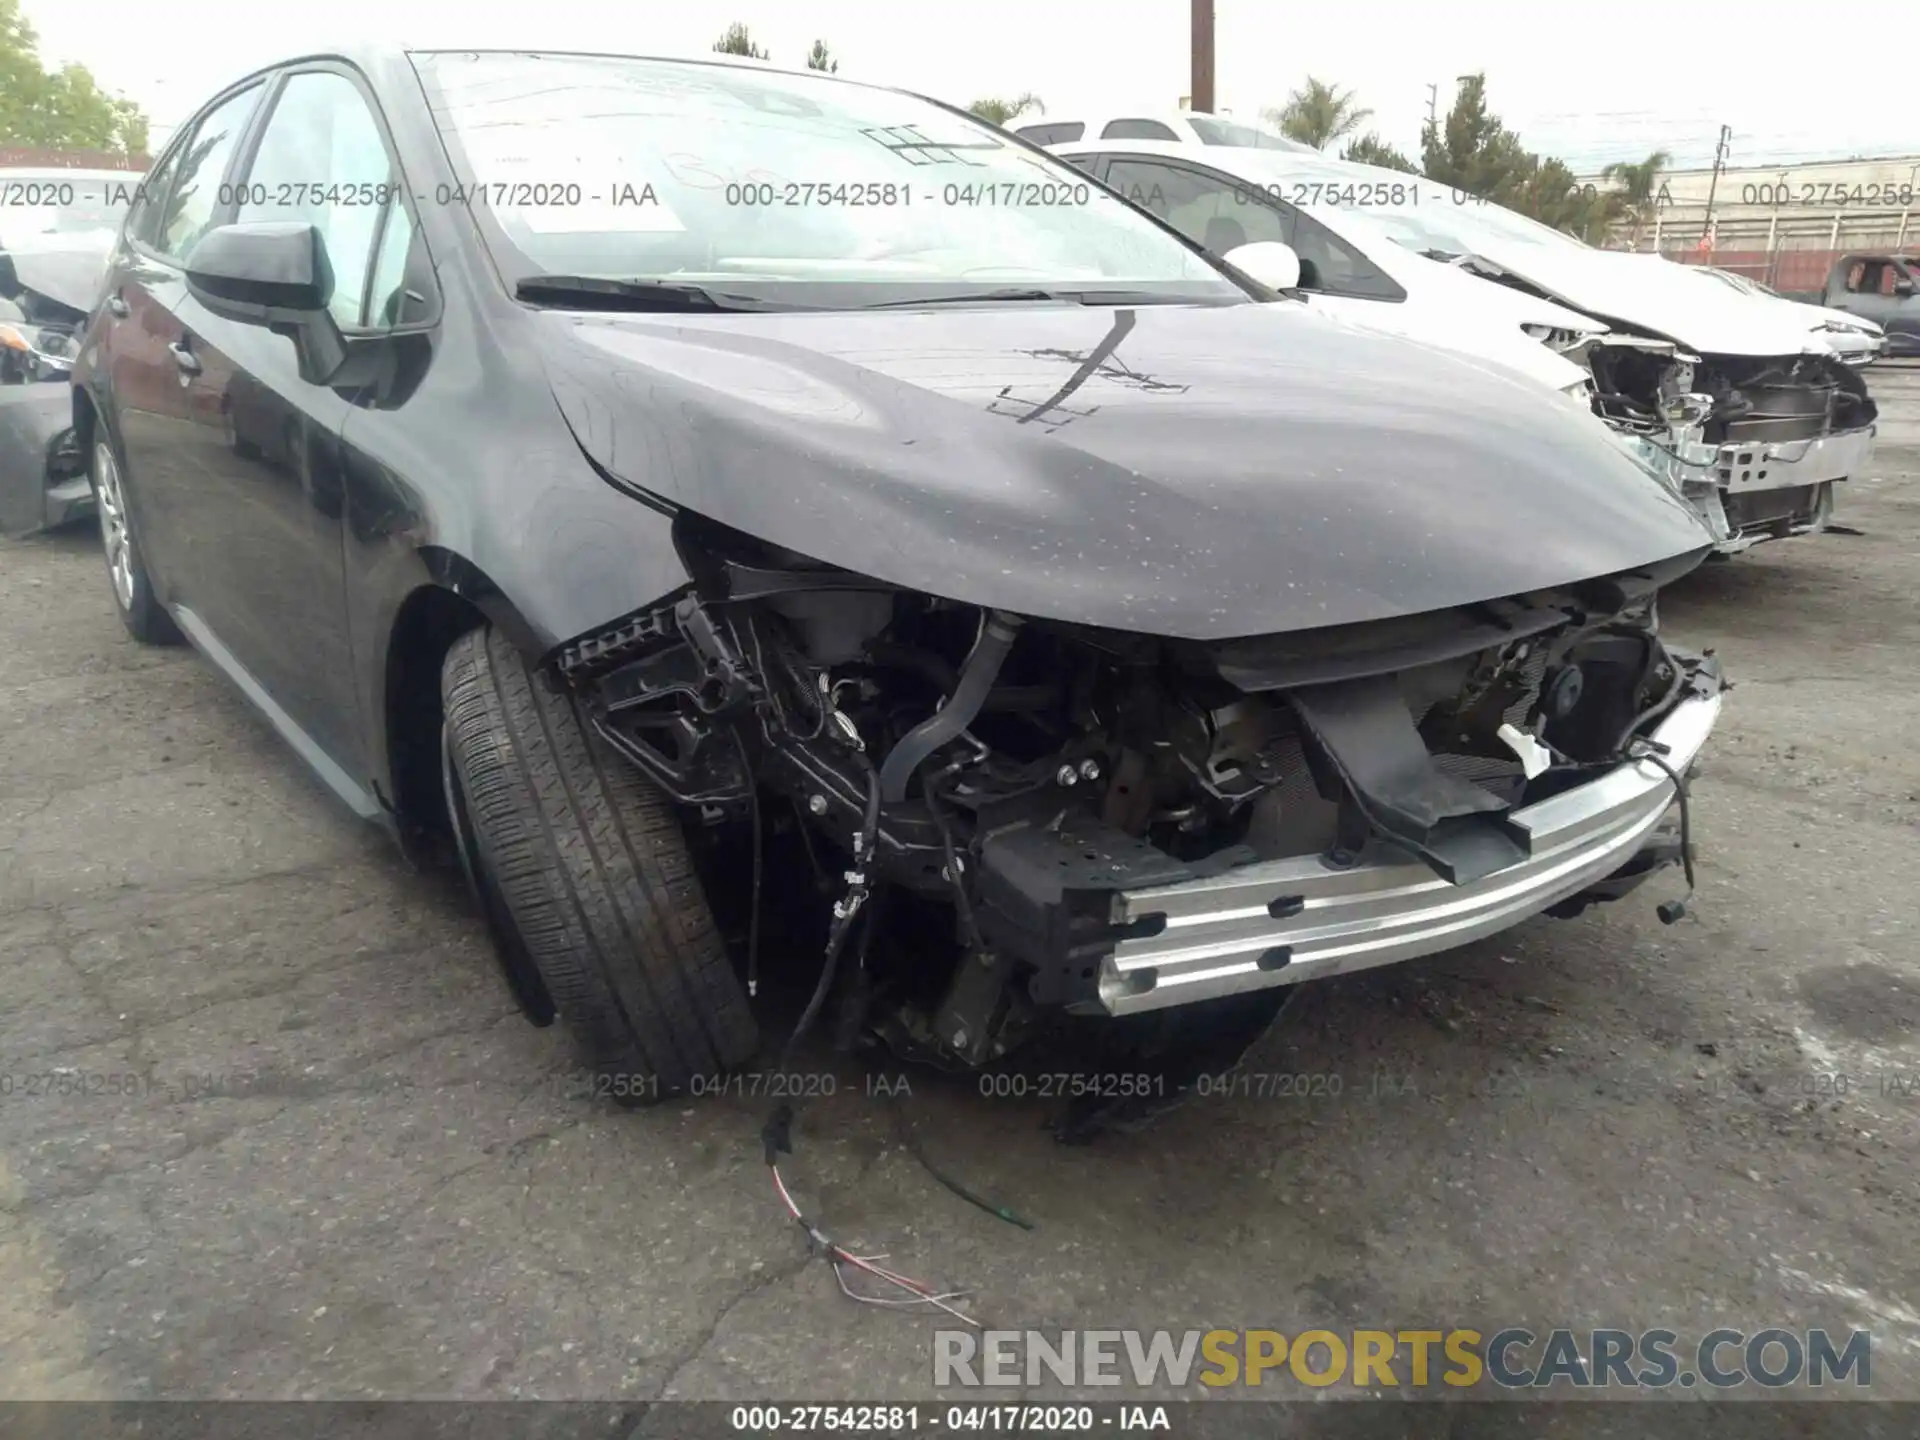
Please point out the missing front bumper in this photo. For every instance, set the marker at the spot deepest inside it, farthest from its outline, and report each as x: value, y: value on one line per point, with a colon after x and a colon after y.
x: 1779, y: 488
x: 1282, y: 921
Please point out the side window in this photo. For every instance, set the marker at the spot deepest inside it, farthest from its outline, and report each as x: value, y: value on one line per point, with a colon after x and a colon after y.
x: 201, y: 165
x: 321, y: 162
x: 390, y: 300
x: 150, y: 199
x: 1216, y: 212
x: 1857, y: 277
x: 1331, y: 265
x: 1137, y: 130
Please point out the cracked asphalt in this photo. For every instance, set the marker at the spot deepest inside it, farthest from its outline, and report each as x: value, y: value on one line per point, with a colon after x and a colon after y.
x: 297, y: 1143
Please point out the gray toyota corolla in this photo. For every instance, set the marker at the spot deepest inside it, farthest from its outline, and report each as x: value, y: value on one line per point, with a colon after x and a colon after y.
x: 721, y: 504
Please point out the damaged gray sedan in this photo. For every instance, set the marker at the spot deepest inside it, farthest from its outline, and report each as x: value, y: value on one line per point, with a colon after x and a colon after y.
x: 866, y: 532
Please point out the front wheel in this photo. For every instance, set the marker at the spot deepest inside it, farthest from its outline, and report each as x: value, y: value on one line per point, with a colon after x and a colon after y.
x: 140, y: 610
x: 593, y: 874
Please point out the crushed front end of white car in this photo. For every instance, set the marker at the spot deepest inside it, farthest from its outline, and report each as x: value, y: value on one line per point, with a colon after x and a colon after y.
x: 1755, y: 444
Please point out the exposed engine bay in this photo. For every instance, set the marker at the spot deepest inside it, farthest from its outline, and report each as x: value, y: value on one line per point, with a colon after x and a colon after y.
x: 43, y: 480
x: 1754, y: 443
x: 38, y: 337
x: 1003, y: 783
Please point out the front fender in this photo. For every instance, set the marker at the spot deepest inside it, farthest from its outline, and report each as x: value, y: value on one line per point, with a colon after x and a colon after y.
x: 33, y: 417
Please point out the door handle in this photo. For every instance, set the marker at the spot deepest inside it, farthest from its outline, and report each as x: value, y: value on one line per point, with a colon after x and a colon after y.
x: 116, y: 307
x: 188, y: 362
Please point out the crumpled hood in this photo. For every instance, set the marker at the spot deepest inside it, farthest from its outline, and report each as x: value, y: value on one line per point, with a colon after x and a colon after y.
x: 1657, y: 296
x: 66, y: 268
x: 1193, y: 471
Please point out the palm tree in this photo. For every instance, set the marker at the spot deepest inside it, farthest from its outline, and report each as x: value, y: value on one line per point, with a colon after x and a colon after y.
x: 1000, y: 112
x: 1638, y: 186
x: 1318, y: 114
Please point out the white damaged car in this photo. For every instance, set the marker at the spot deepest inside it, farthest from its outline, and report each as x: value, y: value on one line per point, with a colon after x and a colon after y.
x: 1746, y: 407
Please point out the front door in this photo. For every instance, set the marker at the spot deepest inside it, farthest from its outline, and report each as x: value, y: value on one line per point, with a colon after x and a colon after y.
x: 1220, y: 212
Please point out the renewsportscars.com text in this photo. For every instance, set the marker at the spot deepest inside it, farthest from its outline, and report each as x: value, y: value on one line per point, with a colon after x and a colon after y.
x: 1510, y: 1359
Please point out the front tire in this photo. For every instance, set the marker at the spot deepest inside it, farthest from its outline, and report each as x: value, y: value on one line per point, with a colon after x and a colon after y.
x: 594, y: 877
x: 140, y: 609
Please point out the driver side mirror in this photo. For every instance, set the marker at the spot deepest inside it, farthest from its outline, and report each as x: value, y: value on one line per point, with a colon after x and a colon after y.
x: 1270, y: 262
x: 277, y: 275
x: 1902, y: 286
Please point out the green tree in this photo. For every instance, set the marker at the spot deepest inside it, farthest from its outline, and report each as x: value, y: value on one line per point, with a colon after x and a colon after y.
x: 1476, y: 155
x: 1639, y: 187
x: 58, y: 109
x: 1318, y: 114
x: 819, y: 59
x: 735, y: 42
x: 1370, y: 149
x: 1002, y: 112
x: 1472, y: 151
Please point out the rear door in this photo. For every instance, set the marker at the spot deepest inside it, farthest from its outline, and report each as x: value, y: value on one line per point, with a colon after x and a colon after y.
x: 272, y: 484
x: 150, y: 365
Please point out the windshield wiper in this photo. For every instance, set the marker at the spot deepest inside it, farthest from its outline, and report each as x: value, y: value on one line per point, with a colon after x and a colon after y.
x: 599, y: 292
x: 1062, y: 297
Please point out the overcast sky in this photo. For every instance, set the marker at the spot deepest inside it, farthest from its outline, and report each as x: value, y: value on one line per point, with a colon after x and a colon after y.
x: 1588, y: 84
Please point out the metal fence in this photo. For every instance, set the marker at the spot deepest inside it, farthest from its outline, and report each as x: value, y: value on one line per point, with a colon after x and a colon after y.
x: 1791, y: 249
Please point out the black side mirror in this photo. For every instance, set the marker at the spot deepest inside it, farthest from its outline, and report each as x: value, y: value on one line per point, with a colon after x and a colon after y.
x: 274, y: 274
x: 1903, y: 286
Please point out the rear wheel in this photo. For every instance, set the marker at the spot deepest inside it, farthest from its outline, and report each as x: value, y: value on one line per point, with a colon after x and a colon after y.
x: 140, y: 610
x: 592, y: 878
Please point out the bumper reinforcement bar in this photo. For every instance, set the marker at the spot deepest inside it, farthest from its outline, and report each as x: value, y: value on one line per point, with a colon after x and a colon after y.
x: 1277, y: 922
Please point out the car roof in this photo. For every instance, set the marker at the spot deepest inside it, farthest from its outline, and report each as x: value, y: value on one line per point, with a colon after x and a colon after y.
x: 378, y: 56
x: 1173, y: 119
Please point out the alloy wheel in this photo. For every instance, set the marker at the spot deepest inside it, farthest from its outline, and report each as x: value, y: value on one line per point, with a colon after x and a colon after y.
x: 113, y: 524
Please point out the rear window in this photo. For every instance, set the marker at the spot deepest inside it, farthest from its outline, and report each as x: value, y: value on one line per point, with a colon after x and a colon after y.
x: 1137, y: 130
x: 1243, y: 137
x: 56, y: 202
x: 1058, y: 132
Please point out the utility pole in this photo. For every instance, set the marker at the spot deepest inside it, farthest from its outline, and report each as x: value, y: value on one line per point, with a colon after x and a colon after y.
x: 1713, y: 185
x: 1201, y: 83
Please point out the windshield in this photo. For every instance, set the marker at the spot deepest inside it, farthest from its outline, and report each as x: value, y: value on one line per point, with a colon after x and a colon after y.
x: 1422, y: 215
x: 36, y: 203
x: 1245, y: 137
x: 828, y: 192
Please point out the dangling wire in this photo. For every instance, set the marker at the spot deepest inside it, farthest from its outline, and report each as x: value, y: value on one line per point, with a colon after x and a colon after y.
x: 759, y: 864
x: 777, y: 1139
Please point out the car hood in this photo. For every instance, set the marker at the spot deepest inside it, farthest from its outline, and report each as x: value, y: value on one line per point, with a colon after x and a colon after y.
x: 65, y: 268
x: 1655, y: 295
x: 1470, y: 332
x: 1827, y: 315
x: 1195, y: 471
